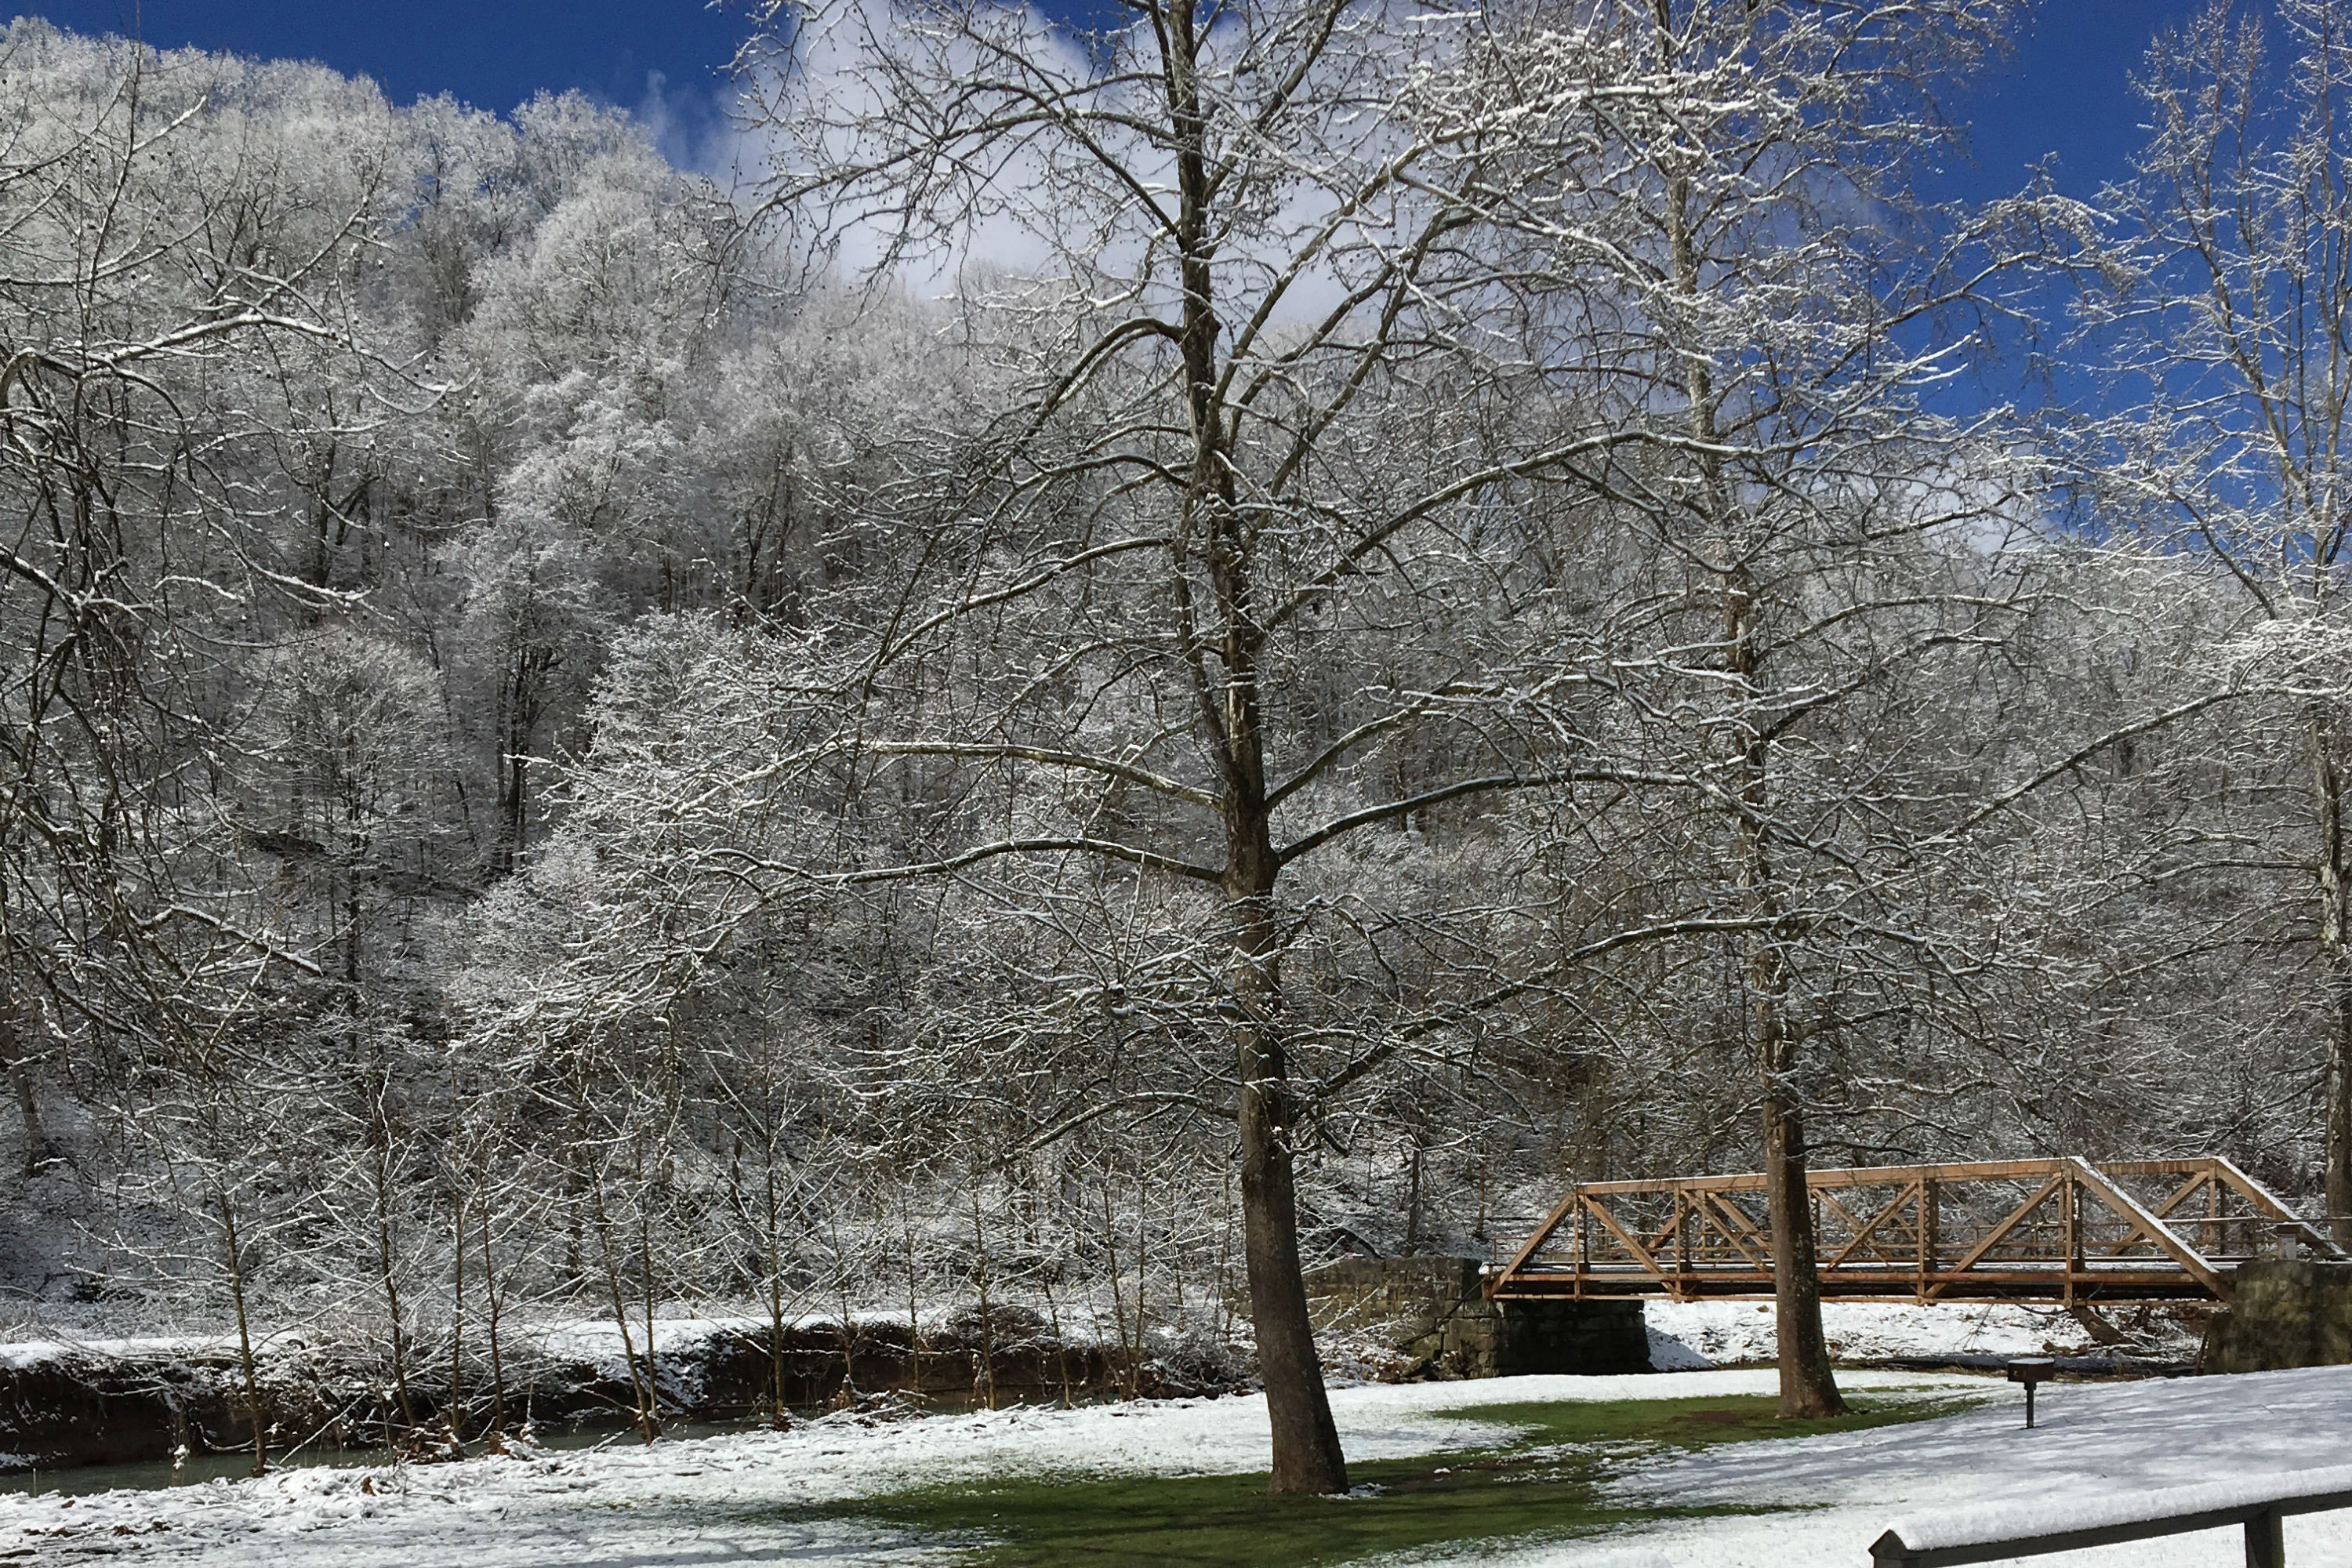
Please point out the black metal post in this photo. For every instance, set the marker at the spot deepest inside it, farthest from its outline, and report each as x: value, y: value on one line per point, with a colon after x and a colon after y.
x: 2030, y: 1370
x: 2266, y: 1540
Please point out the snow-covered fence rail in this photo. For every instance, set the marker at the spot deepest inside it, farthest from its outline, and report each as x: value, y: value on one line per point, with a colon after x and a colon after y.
x: 1988, y: 1535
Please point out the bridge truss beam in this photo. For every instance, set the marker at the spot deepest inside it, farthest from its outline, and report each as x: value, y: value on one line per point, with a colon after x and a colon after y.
x: 2063, y: 1231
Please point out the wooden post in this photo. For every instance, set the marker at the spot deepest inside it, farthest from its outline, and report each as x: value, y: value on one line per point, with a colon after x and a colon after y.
x: 2070, y: 1214
x: 1889, y: 1550
x: 1928, y: 1239
x: 2265, y: 1540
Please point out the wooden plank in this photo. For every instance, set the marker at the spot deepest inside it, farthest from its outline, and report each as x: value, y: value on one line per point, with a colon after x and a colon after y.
x: 1609, y: 1221
x: 1929, y: 1231
x: 1719, y: 1249
x: 1842, y: 1176
x: 2255, y: 1193
x: 2156, y: 1230
x: 1542, y: 1235
x: 1830, y: 1200
x: 2000, y: 1232
x: 2187, y: 1190
x: 1893, y: 1207
x: 1724, y: 1204
x: 1653, y: 1240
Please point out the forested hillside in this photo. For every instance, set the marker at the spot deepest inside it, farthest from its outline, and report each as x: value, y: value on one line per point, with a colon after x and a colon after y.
x: 1153, y: 656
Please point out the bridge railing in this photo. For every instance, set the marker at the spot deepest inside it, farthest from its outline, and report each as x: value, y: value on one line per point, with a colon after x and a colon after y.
x: 2258, y: 1506
x: 2060, y: 1230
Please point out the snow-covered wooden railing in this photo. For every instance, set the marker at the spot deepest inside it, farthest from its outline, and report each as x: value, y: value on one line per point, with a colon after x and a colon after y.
x: 1990, y: 1534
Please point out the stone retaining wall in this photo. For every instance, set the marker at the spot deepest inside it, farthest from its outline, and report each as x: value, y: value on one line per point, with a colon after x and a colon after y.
x: 2284, y: 1312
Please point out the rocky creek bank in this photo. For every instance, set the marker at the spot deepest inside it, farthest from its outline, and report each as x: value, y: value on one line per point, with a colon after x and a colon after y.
x: 123, y: 1403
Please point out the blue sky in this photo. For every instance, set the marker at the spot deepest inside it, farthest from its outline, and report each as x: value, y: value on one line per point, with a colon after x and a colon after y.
x: 491, y: 53
x: 2066, y: 91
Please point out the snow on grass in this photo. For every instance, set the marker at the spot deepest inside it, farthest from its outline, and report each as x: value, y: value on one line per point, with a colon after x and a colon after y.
x: 2094, y: 1447
x: 714, y: 1500
x: 717, y: 1500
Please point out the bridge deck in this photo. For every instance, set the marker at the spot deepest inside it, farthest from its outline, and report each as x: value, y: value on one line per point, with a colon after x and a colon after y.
x: 2063, y: 1231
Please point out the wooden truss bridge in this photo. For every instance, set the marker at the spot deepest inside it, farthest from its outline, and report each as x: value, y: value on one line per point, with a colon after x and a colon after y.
x: 2064, y: 1231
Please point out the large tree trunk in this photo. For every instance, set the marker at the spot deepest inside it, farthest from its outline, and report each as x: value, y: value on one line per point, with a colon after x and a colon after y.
x: 1306, y: 1455
x: 1808, y: 1384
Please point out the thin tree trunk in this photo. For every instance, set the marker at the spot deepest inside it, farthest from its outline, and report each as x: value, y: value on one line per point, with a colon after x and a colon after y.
x: 1412, y: 1200
x: 645, y: 1267
x: 1117, y: 1297
x: 490, y: 1295
x: 1306, y: 1455
x: 1808, y: 1385
x: 38, y: 1152
x: 245, y: 1357
x: 385, y: 1266
x: 778, y: 1416
x: 1142, y: 1285
x: 2335, y: 945
x: 637, y: 1382
x: 458, y: 1333
x: 987, y: 1378
x: 914, y: 1305
x: 1307, y: 1452
x: 1225, y: 1256
x: 1061, y: 1341
x: 846, y: 1287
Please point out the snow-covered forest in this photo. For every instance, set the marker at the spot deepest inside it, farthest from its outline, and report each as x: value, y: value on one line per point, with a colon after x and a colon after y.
x: 1143, y: 656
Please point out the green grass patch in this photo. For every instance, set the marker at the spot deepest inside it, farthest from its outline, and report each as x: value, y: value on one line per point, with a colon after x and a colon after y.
x: 1538, y: 1482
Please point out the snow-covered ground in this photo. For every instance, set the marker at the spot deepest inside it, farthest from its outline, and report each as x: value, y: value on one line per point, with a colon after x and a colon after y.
x: 591, y: 1339
x: 1685, y: 1335
x: 712, y: 1501
x: 706, y: 1500
x: 2091, y: 1443
x: 16, y: 1355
